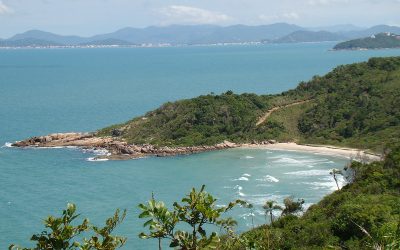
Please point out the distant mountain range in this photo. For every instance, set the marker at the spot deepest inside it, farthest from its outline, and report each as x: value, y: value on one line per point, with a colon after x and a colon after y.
x: 310, y: 36
x: 197, y: 35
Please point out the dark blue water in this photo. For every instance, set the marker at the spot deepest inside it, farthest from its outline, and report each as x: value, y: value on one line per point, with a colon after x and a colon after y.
x: 45, y: 91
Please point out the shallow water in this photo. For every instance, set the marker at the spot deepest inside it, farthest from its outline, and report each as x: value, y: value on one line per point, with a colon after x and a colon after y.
x: 44, y: 91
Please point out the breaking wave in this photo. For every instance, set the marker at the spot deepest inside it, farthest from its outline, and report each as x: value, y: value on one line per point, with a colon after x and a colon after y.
x: 314, y: 172
x: 268, y: 178
x: 98, y: 152
x: 7, y: 145
x: 247, y: 157
x: 96, y: 159
x: 243, y: 178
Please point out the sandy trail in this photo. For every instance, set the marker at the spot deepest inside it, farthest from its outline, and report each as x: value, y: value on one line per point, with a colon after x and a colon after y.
x: 269, y: 112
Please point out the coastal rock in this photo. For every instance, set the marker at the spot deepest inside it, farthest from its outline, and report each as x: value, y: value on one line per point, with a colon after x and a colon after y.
x: 117, y: 149
x: 229, y: 144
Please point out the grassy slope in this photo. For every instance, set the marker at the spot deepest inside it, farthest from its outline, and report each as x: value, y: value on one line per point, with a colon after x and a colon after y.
x: 371, y: 201
x: 355, y: 105
x: 289, y: 118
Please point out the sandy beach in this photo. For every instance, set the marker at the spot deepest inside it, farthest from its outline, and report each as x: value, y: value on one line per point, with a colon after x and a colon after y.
x: 349, y: 153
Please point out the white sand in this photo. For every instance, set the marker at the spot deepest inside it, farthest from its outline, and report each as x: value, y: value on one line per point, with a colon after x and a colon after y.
x: 350, y: 153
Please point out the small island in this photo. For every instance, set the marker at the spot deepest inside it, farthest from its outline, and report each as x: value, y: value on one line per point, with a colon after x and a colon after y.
x: 384, y: 40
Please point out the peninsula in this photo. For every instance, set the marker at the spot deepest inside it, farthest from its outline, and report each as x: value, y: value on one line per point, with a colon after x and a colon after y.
x: 354, y: 105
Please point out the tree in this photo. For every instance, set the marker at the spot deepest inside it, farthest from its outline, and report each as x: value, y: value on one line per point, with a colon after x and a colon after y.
x: 291, y: 206
x: 103, y: 239
x: 162, y: 222
x: 335, y: 172
x: 62, y: 233
x: 252, y: 213
x: 198, y: 209
x: 269, y: 207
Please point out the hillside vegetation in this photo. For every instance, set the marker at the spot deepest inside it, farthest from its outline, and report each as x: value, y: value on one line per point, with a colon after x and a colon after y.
x: 204, y: 120
x: 355, y: 105
x: 362, y: 215
x: 379, y: 41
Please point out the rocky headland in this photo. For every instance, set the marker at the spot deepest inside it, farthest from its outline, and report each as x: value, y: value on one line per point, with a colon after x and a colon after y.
x: 118, y: 149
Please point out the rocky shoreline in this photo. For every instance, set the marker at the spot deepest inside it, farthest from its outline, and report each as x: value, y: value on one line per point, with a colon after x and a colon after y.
x: 118, y: 149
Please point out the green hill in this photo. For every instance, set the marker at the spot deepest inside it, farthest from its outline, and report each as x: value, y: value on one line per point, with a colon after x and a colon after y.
x: 380, y: 41
x: 354, y: 105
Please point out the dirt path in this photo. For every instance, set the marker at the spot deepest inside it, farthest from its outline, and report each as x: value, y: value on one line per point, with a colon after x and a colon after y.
x: 269, y: 112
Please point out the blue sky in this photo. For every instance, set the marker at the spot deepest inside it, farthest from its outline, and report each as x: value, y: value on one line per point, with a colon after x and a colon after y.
x: 88, y: 17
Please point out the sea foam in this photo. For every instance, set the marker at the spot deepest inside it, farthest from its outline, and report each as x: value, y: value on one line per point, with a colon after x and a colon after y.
x: 243, y: 178
x: 314, y: 172
x: 97, y: 152
x: 268, y: 178
x: 96, y: 159
x: 239, y: 189
x: 247, y: 157
x: 7, y: 145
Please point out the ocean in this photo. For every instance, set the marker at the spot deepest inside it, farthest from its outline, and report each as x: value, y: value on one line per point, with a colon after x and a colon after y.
x: 61, y: 90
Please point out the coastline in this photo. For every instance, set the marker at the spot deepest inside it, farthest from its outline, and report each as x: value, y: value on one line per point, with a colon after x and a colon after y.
x: 349, y: 153
x: 115, y: 149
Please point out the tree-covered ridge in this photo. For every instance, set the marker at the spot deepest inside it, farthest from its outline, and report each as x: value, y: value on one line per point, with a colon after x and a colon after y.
x: 364, y: 214
x: 379, y: 41
x: 204, y: 120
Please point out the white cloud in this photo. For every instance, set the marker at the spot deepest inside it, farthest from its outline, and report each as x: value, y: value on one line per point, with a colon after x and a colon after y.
x: 326, y: 2
x: 287, y: 16
x: 191, y: 15
x: 291, y: 15
x: 4, y: 9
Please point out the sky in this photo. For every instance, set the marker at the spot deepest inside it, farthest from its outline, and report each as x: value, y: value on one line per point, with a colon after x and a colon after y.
x: 89, y: 17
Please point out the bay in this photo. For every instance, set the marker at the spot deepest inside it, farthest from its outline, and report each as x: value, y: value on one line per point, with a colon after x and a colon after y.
x: 59, y: 90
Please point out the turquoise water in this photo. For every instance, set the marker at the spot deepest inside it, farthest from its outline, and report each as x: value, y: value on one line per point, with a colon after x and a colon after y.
x: 44, y: 91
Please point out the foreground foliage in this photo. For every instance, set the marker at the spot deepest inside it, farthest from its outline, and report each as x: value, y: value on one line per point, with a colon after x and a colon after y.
x: 62, y: 233
x: 197, y: 211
